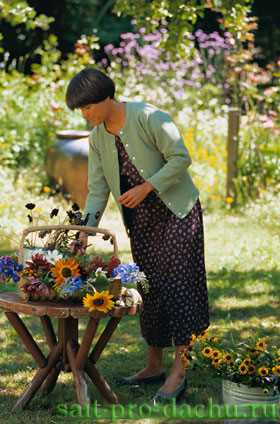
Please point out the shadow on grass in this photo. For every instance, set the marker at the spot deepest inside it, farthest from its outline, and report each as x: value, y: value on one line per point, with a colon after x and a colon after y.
x: 125, y: 354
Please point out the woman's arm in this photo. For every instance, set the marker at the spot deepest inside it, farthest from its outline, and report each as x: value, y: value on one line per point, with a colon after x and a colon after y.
x: 167, y: 138
x: 98, y: 189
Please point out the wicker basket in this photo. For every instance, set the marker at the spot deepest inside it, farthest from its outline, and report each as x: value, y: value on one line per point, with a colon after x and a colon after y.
x: 24, y: 253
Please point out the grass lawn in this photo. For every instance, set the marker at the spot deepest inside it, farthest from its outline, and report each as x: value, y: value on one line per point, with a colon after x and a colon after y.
x: 244, y: 291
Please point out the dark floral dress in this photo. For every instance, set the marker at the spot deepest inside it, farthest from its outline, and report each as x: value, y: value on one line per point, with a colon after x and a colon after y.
x: 170, y: 251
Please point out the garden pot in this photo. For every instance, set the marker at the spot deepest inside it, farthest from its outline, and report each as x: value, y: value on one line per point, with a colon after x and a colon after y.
x: 242, y: 395
x: 67, y: 163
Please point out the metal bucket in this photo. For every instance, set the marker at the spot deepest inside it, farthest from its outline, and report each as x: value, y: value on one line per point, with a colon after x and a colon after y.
x: 244, y: 396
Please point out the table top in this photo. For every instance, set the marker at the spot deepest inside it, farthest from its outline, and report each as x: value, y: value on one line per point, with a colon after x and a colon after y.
x: 12, y: 302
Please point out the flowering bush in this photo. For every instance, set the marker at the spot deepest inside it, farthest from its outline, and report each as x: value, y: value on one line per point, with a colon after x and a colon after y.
x: 253, y: 363
x: 147, y: 68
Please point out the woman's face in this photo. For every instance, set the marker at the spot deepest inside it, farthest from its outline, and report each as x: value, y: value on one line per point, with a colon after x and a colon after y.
x: 96, y: 113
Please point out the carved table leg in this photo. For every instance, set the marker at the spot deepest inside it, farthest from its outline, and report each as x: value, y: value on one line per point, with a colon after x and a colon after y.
x: 49, y: 331
x: 50, y: 382
x: 40, y: 376
x: 67, y: 355
x: 27, y: 339
x: 102, y: 385
x: 80, y: 381
x: 98, y: 380
x: 104, y: 338
x: 67, y: 330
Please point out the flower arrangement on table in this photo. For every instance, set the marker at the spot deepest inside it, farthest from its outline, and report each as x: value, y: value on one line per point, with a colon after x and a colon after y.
x: 254, y: 363
x: 62, y: 270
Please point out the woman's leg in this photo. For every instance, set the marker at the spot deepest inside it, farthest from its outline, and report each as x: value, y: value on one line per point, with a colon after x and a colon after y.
x: 154, y: 363
x: 178, y: 369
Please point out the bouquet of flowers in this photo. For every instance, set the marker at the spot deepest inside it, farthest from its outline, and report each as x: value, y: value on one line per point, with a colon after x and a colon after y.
x: 254, y: 363
x: 62, y: 270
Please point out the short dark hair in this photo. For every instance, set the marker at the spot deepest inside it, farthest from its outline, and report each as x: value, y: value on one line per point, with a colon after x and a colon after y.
x: 89, y: 86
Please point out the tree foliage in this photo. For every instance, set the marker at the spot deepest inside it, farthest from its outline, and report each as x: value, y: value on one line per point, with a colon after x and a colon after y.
x: 180, y: 16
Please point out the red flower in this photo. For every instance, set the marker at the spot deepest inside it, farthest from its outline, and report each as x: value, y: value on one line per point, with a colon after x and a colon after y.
x: 113, y: 263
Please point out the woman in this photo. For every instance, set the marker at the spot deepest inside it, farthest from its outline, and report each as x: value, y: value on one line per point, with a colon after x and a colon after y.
x: 137, y: 153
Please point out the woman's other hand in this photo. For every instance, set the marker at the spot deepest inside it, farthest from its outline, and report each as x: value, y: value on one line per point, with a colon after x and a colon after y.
x: 83, y: 238
x: 136, y: 195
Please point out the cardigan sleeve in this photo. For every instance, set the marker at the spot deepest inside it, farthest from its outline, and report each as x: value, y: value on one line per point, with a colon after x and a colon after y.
x: 168, y: 140
x: 98, y: 189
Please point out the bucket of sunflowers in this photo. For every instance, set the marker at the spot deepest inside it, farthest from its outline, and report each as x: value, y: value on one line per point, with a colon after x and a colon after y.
x: 52, y: 264
x: 250, y: 370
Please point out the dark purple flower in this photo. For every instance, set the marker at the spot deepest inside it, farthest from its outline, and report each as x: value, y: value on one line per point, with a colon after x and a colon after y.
x: 54, y: 212
x: 30, y: 206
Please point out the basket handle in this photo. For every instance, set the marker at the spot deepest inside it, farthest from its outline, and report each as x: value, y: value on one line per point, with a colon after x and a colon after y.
x: 85, y: 229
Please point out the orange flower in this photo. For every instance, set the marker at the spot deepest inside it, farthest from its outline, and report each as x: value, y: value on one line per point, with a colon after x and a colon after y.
x: 65, y: 268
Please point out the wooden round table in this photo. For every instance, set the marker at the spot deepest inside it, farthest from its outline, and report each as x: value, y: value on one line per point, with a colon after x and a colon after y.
x: 65, y: 352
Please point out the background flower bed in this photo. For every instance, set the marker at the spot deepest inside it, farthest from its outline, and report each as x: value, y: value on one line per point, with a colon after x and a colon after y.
x: 196, y: 91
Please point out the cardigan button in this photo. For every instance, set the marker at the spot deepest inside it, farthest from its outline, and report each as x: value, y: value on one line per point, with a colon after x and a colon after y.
x: 133, y: 158
x: 169, y: 203
x: 142, y: 170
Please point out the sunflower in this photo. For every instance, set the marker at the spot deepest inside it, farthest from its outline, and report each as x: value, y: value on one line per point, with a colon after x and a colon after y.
x: 243, y: 369
x: 251, y: 369
x: 207, y: 352
x: 214, y: 339
x: 193, y: 339
x: 100, y: 301
x: 261, y: 345
x: 263, y: 371
x: 228, y: 358
x: 216, y: 354
x: 254, y: 353
x: 276, y: 370
x: 65, y: 268
x: 246, y: 361
x: 217, y: 362
x: 203, y: 335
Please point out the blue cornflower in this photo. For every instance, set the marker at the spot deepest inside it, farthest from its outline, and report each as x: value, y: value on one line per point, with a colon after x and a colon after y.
x: 9, y: 267
x: 72, y: 285
x: 127, y: 272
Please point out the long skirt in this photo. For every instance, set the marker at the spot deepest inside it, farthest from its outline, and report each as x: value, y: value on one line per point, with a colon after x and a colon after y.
x: 170, y: 251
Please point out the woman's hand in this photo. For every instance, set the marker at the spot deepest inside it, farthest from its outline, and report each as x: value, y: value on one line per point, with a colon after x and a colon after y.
x: 136, y: 195
x: 83, y: 238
